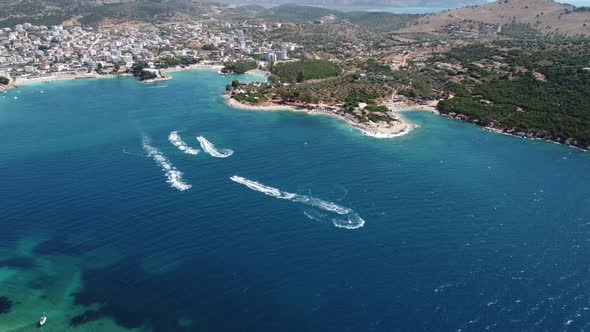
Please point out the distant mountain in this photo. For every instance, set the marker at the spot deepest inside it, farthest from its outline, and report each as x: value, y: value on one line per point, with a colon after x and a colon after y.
x: 94, y: 11
x: 373, y: 3
x: 376, y: 21
x: 545, y: 17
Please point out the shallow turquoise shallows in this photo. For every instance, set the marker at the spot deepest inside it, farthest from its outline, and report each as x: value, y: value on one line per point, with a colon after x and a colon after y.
x: 110, y: 223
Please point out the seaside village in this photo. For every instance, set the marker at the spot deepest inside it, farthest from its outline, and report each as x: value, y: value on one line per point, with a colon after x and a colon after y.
x: 29, y: 52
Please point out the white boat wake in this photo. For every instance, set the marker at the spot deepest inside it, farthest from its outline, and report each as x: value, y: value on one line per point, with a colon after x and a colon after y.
x: 175, y: 139
x: 209, y: 148
x: 174, y: 176
x: 350, y: 220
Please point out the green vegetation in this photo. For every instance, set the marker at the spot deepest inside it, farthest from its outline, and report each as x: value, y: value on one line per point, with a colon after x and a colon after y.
x: 538, y: 93
x: 355, y: 97
x: 49, y: 12
x: 339, y: 38
x: 296, y: 13
x: 138, y: 71
x: 299, y: 71
x: 4, y: 80
x: 208, y: 47
x: 177, y: 61
x: 42, y: 20
x: 520, y: 31
x: 239, y: 67
x: 379, y: 21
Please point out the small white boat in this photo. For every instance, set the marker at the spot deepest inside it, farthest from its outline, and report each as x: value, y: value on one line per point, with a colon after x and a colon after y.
x: 42, y: 320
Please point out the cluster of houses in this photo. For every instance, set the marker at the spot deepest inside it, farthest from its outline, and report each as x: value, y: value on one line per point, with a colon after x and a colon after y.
x: 35, y: 51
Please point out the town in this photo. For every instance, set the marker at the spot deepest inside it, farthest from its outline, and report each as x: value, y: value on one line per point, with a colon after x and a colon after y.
x: 38, y: 53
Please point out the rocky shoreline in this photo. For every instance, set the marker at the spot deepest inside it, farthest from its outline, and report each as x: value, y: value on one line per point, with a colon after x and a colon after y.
x: 515, y: 132
x: 156, y: 80
x: 398, y: 128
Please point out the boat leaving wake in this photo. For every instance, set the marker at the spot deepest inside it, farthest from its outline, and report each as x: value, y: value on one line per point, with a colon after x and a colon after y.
x: 174, y: 176
x: 175, y: 139
x: 209, y: 148
x: 350, y: 220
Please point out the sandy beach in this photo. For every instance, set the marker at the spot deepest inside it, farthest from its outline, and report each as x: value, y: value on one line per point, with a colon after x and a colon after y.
x: 264, y: 73
x: 19, y: 81
x: 197, y: 66
x: 378, y: 130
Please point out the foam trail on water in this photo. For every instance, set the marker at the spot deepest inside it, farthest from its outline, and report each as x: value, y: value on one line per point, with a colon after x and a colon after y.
x: 349, y: 220
x: 175, y: 139
x: 174, y: 176
x: 209, y: 148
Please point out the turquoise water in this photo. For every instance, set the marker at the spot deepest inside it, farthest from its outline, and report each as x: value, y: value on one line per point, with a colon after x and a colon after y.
x: 463, y: 229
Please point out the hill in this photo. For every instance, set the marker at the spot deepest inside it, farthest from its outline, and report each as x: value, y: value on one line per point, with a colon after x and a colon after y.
x: 296, y: 13
x: 371, y: 3
x: 376, y: 21
x: 94, y: 11
x: 379, y: 21
x: 546, y: 17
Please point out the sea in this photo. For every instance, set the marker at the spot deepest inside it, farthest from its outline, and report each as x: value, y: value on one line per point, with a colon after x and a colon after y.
x: 132, y: 207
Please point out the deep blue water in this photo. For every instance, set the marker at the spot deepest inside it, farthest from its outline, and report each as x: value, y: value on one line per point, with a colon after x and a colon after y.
x: 464, y: 229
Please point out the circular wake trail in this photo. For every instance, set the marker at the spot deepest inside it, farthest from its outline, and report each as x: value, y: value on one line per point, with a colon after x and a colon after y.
x: 209, y: 148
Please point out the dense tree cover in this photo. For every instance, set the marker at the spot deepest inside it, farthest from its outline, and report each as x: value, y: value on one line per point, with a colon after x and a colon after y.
x: 296, y: 13
x: 520, y: 31
x: 305, y: 70
x: 355, y: 97
x: 338, y: 37
x: 472, y: 52
x: 238, y: 67
x: 542, y: 94
x: 138, y: 71
x: 177, y: 61
x: 4, y: 80
x: 138, y: 11
x: 251, y: 97
x: 48, y: 12
x: 208, y: 47
x: 379, y: 21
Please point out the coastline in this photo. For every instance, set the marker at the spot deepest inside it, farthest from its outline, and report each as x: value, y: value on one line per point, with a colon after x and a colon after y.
x: 401, y: 127
x: 19, y: 81
x: 503, y: 132
x: 196, y: 66
x: 378, y: 130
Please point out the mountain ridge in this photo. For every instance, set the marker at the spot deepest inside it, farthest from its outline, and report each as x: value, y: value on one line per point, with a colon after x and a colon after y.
x: 545, y: 17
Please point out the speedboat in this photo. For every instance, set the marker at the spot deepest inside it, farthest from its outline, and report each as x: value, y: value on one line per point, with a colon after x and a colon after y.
x: 42, y: 320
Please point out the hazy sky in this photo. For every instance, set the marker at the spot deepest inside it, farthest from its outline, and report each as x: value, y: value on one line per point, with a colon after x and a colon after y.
x: 571, y: 2
x: 578, y: 2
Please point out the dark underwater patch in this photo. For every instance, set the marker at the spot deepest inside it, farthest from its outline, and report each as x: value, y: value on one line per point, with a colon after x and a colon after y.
x: 24, y: 263
x: 59, y: 246
x: 133, y: 298
x: 86, y: 317
x: 5, y: 305
x: 41, y: 282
